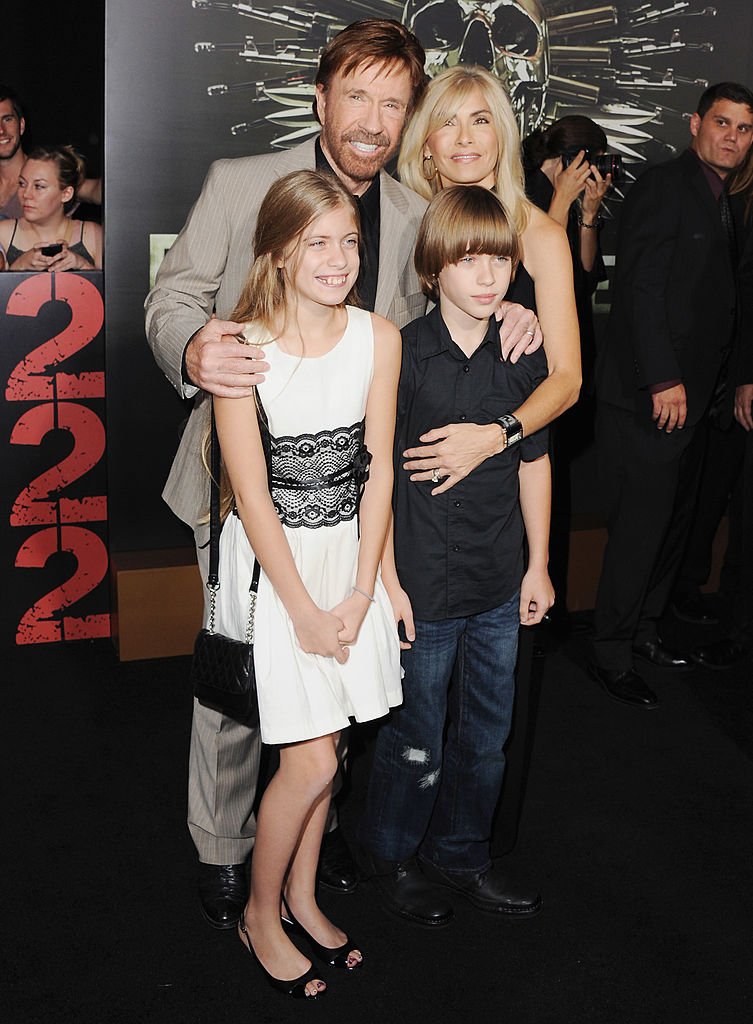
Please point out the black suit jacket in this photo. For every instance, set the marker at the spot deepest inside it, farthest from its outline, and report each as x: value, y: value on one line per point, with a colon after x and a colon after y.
x: 674, y: 300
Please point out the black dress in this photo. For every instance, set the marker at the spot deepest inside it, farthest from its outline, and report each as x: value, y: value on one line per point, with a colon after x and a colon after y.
x: 540, y: 191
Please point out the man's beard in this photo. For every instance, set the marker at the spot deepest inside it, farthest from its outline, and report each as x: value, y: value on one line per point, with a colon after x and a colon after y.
x: 9, y: 156
x: 360, y: 166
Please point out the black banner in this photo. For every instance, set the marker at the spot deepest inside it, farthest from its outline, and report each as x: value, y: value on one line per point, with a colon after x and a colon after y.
x: 54, y: 505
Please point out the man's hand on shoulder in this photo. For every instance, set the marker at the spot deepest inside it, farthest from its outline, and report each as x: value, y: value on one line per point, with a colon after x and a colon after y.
x: 744, y: 406
x: 218, y: 361
x: 670, y: 408
x: 519, y: 331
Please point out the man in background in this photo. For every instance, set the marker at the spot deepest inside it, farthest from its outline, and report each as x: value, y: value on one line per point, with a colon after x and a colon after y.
x: 12, y: 128
x: 670, y: 329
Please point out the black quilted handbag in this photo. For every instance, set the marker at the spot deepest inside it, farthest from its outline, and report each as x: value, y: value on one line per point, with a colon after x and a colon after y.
x: 222, y: 670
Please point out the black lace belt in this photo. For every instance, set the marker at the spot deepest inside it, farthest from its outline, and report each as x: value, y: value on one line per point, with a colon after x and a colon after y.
x: 318, y: 479
x: 357, y: 471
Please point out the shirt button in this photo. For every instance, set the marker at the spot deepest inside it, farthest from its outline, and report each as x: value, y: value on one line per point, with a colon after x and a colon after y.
x: 455, y: 547
x: 466, y: 369
x: 458, y: 504
x: 462, y: 417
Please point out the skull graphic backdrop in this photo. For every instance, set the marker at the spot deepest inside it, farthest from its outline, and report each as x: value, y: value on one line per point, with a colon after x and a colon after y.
x: 627, y: 65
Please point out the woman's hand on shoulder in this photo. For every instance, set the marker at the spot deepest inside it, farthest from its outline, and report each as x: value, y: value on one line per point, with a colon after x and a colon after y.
x: 519, y: 331
x: 318, y: 632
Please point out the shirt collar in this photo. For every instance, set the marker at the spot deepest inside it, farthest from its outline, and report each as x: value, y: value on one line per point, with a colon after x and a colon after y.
x: 716, y: 184
x: 434, y: 337
x: 368, y: 203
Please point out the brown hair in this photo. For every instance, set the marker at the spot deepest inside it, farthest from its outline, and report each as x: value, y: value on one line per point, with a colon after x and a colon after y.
x: 462, y: 219
x: 370, y: 42
x: 290, y: 205
x: 70, y: 165
x: 566, y: 135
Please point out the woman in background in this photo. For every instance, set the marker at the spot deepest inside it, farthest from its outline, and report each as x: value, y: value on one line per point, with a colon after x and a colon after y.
x: 46, y: 238
x: 562, y: 179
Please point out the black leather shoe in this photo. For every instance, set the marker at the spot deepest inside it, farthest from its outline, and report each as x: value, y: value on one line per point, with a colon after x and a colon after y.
x: 403, y: 890
x: 627, y: 687
x: 337, y: 869
x: 488, y: 890
x: 223, y: 891
x: 692, y: 609
x: 720, y: 655
x: 654, y: 652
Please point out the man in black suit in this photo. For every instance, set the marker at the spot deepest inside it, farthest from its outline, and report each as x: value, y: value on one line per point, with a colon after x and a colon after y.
x: 670, y: 328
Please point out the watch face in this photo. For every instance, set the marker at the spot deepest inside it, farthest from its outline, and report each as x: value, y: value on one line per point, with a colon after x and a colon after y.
x: 513, y: 428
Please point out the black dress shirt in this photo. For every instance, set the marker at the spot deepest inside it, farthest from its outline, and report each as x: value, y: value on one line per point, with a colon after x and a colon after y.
x: 368, y: 206
x: 460, y: 553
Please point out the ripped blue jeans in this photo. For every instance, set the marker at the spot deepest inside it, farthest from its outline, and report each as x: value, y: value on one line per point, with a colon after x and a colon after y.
x: 433, y: 791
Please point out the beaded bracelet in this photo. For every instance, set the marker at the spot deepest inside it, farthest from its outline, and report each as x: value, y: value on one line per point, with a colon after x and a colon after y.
x: 369, y: 597
x: 584, y: 224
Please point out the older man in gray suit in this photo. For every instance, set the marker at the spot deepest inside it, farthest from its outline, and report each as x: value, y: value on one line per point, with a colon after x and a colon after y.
x: 369, y: 78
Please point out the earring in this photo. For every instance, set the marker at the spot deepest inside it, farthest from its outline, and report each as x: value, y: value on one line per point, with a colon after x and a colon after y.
x: 434, y: 170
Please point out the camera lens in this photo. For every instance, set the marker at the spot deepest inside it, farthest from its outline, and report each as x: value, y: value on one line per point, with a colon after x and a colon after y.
x: 609, y: 163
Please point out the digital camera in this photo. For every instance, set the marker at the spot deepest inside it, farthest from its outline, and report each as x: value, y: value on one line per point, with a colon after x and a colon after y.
x: 605, y: 163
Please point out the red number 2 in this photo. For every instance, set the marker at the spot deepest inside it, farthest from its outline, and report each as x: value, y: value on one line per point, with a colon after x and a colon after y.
x: 29, y: 380
x: 32, y: 505
x: 38, y: 624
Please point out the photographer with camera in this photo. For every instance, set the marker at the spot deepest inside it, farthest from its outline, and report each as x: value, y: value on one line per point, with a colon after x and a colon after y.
x: 567, y: 176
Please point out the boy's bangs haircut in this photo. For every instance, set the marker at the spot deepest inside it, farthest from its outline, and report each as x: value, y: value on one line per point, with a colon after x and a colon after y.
x: 460, y: 220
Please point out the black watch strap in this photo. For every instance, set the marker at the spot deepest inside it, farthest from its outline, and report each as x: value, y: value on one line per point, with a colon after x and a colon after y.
x: 512, y: 427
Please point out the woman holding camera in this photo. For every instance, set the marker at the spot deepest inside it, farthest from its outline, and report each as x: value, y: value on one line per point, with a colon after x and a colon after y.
x: 563, y: 179
x: 46, y: 238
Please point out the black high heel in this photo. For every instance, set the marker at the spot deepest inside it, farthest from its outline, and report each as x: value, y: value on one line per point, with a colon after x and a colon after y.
x: 337, y: 957
x: 295, y: 988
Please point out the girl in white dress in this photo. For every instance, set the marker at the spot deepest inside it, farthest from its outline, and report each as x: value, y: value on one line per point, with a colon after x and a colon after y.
x: 326, y: 646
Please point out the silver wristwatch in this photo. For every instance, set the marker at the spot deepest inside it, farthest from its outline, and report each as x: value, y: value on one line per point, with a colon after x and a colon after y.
x: 512, y: 427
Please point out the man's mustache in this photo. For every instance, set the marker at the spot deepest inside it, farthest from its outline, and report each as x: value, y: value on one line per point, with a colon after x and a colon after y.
x: 369, y: 140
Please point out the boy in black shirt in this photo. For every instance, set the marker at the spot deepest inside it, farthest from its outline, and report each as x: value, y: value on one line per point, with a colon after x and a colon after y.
x: 458, y: 571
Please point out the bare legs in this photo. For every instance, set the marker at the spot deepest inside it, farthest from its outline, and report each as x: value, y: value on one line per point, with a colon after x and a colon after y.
x: 289, y: 832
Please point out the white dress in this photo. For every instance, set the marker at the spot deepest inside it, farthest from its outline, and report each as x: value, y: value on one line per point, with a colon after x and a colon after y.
x: 314, y: 407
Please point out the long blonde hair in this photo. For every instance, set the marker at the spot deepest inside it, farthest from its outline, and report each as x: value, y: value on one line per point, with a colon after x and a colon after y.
x: 292, y: 203
x: 444, y: 95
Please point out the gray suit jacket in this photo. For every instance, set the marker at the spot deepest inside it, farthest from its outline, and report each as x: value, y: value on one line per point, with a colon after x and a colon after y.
x: 205, y: 270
